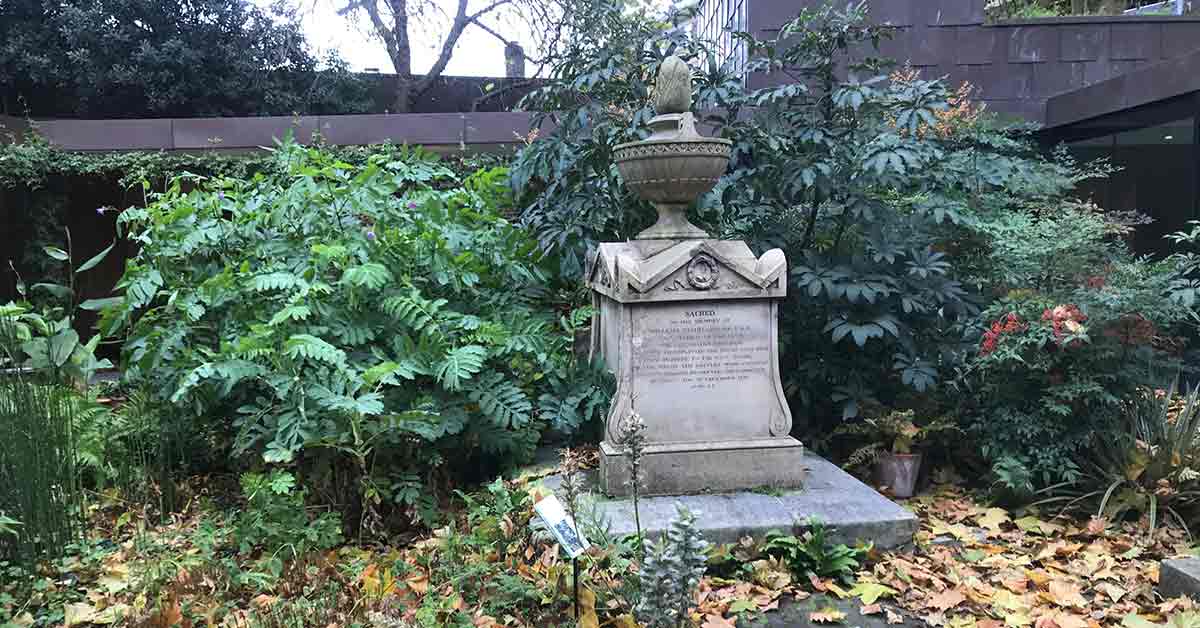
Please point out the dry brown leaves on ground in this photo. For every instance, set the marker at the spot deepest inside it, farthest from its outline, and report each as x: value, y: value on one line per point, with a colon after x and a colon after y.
x: 980, y: 566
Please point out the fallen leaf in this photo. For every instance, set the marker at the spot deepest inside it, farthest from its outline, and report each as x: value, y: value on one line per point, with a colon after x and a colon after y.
x: 1059, y: 619
x: 993, y: 519
x: 112, y: 614
x: 771, y: 573
x: 1033, y: 525
x: 742, y: 606
x: 1068, y: 594
x: 587, y: 609
x: 418, y: 583
x: 946, y: 600
x: 1097, y: 525
x: 870, y: 592
x: 827, y: 615
x: 1186, y: 619
x: 1133, y: 620
x: 871, y: 609
x: 78, y: 614
x: 625, y: 621
x: 716, y: 621
x: 1114, y: 592
x: 893, y: 617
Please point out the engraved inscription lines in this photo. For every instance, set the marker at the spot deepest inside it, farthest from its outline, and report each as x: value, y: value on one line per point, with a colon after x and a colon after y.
x: 700, y: 349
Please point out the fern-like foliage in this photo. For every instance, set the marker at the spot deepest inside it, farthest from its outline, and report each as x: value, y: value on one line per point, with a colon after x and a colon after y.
x: 414, y: 311
x: 459, y: 365
x: 305, y: 346
x: 314, y: 306
x: 372, y: 276
x: 502, y: 401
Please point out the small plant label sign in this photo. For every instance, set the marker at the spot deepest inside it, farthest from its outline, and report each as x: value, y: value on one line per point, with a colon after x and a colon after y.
x: 564, y: 529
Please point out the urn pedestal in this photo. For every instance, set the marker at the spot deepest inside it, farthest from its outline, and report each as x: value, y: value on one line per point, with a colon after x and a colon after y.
x: 689, y: 329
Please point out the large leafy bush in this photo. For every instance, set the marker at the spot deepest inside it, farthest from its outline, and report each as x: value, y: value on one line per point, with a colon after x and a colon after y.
x: 851, y: 176
x: 380, y: 325
x: 904, y: 209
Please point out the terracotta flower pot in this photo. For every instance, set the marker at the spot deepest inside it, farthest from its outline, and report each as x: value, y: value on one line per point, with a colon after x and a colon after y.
x: 898, y: 472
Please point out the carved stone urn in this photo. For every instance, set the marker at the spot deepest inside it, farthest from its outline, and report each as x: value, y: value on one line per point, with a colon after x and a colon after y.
x: 675, y: 165
x: 688, y: 325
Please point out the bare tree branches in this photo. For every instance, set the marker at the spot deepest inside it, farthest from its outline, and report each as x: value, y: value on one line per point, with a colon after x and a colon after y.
x: 545, y: 21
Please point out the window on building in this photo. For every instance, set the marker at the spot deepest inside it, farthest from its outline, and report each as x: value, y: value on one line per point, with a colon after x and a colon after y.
x: 716, y: 23
x: 1158, y: 159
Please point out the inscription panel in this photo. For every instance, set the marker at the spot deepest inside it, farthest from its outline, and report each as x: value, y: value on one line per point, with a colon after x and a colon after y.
x: 702, y: 371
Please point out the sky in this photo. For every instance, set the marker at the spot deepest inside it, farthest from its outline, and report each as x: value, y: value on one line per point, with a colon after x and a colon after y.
x: 477, y: 54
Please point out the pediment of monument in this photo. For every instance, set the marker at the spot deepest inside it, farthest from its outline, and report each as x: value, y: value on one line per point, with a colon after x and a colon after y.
x: 669, y: 270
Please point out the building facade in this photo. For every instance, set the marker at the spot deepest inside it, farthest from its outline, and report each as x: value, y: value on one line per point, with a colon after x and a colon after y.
x: 1123, y: 87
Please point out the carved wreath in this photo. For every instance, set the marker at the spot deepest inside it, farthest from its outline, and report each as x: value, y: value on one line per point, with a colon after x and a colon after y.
x: 703, y: 272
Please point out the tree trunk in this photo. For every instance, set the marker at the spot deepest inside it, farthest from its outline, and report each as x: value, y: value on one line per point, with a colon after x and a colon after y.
x: 403, y: 100
x: 403, y: 58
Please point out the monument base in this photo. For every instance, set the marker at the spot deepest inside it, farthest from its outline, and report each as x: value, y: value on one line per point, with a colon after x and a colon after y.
x: 854, y: 511
x: 706, y: 467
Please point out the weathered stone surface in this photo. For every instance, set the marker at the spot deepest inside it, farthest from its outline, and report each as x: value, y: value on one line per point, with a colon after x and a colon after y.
x: 689, y: 329
x: 705, y: 371
x: 707, y: 467
x: 1179, y: 576
x: 853, y: 509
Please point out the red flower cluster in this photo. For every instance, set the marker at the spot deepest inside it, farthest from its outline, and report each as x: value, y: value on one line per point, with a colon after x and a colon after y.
x: 1008, y: 324
x: 1064, y: 319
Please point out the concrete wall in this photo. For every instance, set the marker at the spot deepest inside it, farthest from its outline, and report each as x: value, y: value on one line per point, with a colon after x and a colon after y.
x: 446, y: 132
x: 1015, y: 65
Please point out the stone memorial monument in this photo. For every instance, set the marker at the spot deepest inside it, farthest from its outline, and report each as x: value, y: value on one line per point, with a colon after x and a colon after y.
x: 688, y: 324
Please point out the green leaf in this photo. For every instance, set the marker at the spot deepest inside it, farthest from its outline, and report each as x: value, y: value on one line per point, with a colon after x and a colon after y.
x: 95, y: 305
x: 313, y: 348
x: 501, y: 400
x: 459, y: 365
x: 870, y: 592
x: 372, y: 276
x: 95, y: 260
x: 56, y: 253
x: 61, y: 292
x: 290, y: 313
x: 61, y: 346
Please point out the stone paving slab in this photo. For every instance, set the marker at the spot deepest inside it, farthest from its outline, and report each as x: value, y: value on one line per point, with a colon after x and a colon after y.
x: 1179, y: 576
x: 795, y: 614
x: 854, y: 510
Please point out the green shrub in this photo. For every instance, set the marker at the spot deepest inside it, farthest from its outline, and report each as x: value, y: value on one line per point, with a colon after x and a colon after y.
x: 880, y: 188
x: 1085, y: 325
x: 275, y: 520
x: 812, y: 554
x: 670, y: 573
x: 381, y: 325
x: 1150, y: 463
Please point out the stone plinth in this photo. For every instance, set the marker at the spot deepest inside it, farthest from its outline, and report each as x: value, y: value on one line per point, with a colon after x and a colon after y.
x: 689, y: 328
x: 1179, y: 576
x: 852, y: 510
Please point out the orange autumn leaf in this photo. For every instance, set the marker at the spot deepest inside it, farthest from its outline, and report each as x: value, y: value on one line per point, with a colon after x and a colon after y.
x: 946, y: 600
